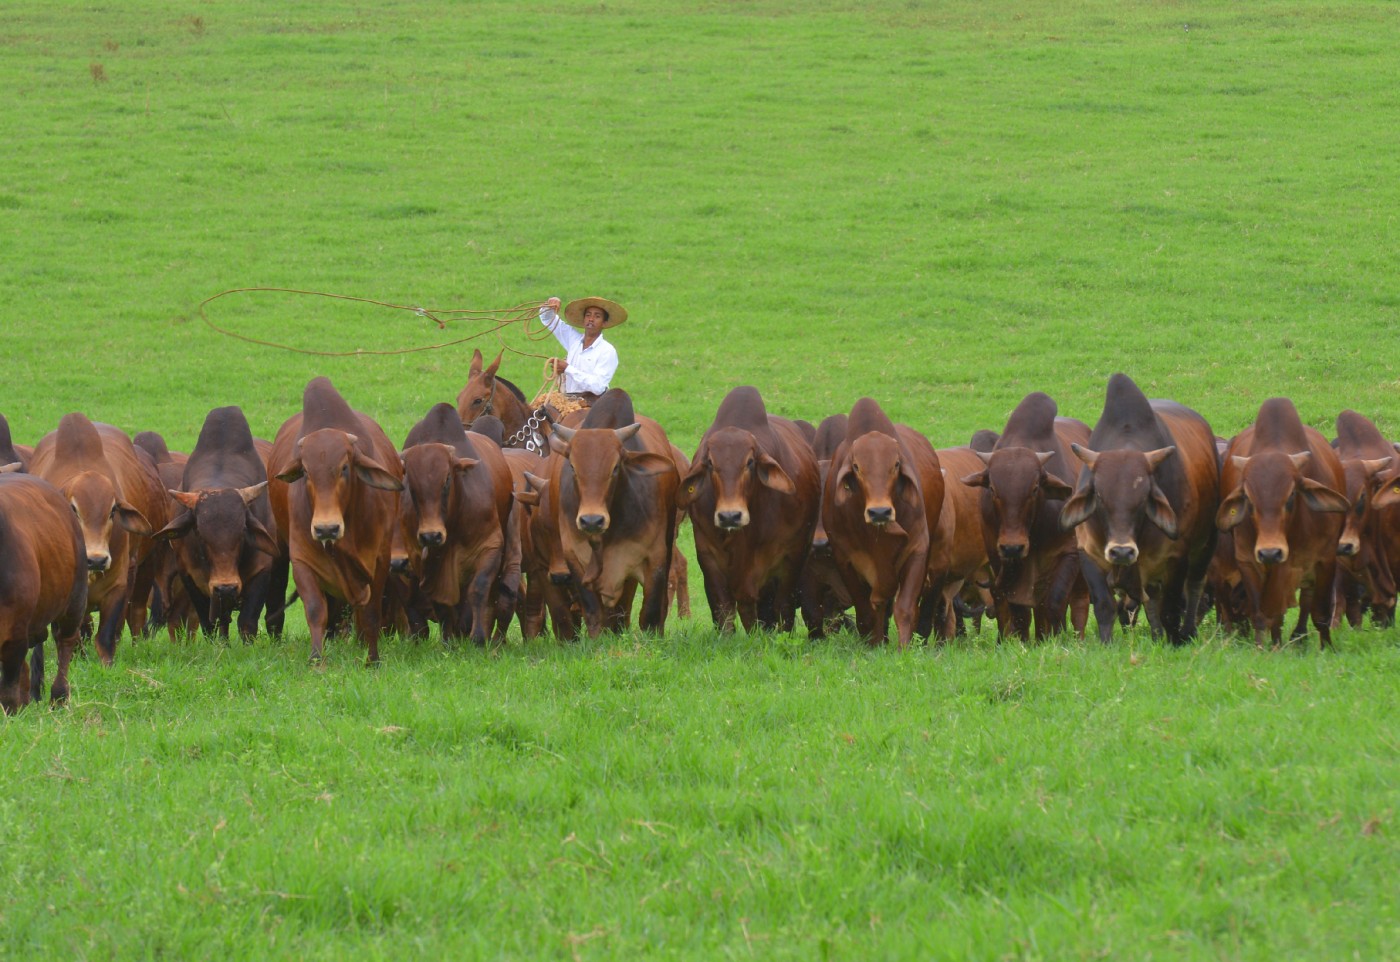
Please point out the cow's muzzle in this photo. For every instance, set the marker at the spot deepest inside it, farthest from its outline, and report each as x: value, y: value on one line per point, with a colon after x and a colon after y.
x: 328, y: 533
x: 1271, y: 556
x: 1012, y: 552
x: 731, y: 520
x: 1122, y: 554
x: 879, y: 516
x: 99, y: 562
x: 432, y: 538
x: 1348, y: 548
x: 593, y: 523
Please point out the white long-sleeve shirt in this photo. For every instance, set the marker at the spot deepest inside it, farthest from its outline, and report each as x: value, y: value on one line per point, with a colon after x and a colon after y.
x: 590, y: 368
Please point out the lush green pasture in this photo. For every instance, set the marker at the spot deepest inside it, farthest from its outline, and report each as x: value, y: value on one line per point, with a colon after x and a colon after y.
x: 942, y: 205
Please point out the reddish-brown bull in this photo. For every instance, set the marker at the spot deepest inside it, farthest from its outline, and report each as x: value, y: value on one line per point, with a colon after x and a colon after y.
x: 43, y: 583
x: 961, y: 524
x: 119, y: 503
x: 170, y: 599
x: 1144, y: 509
x: 1035, y: 564
x: 824, y: 595
x: 223, y: 534
x: 337, y: 478
x: 614, y: 485
x: 456, y: 509
x: 752, y: 494
x: 1368, y: 551
x: 881, y: 503
x: 1281, y: 484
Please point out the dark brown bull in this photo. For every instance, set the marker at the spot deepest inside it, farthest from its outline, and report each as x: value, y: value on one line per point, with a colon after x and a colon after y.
x: 43, y: 583
x: 1368, y: 550
x: 223, y: 534
x: 335, y: 493
x: 614, y: 484
x: 824, y: 595
x: 881, y: 503
x: 1035, y: 564
x: 752, y: 494
x: 456, y: 509
x: 119, y: 503
x: 1281, y: 484
x: 171, y: 605
x: 1144, y: 510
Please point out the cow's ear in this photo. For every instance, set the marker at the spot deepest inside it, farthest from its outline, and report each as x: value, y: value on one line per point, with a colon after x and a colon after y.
x: 647, y: 463
x: 131, y: 519
x: 189, y: 499
x: 464, y: 464
x: 1054, y: 488
x: 978, y: 480
x: 1159, y: 511
x: 1233, y: 510
x: 1322, y: 498
x: 259, y: 537
x: 1078, y: 508
x: 690, y: 484
x: 292, y: 472
x: 558, y: 445
x: 1387, y: 492
x: 182, y: 524
x: 374, y: 474
x: 772, y: 475
x: 845, y: 482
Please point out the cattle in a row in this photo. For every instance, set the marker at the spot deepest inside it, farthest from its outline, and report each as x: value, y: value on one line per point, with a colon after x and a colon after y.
x: 859, y: 513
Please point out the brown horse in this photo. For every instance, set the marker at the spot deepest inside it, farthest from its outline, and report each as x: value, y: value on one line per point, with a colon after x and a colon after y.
x: 487, y: 393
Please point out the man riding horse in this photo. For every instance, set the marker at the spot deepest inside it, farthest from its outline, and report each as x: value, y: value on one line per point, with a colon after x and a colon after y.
x: 591, y: 361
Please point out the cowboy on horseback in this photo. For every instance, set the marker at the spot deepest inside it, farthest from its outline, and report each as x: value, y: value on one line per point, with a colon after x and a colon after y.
x: 591, y: 361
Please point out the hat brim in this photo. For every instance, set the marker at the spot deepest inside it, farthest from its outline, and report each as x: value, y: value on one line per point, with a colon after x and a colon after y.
x: 573, y: 311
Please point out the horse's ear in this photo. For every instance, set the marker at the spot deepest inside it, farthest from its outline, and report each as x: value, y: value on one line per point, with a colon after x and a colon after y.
x: 491, y: 371
x: 474, y: 368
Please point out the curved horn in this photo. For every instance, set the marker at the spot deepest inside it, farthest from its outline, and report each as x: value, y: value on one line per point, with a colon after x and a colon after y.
x: 1155, y: 458
x: 1300, y: 459
x: 250, y: 493
x: 564, y: 434
x: 1044, y: 456
x: 1084, y: 454
x: 625, y: 434
x: 984, y: 455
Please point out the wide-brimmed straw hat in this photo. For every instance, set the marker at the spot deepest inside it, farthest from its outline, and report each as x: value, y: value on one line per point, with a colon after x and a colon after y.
x: 573, y: 311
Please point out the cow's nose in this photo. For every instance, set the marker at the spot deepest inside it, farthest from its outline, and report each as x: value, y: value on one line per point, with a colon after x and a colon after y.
x: 1011, y: 552
x: 1348, y: 549
x: 1269, y: 556
x: 729, y: 519
x: 1123, y: 554
x: 879, y: 515
x: 326, y: 532
x: 399, y: 565
x: 560, y: 577
x: 226, y: 590
x: 432, y: 539
x: 99, y: 562
x: 591, y: 522
x: 821, y: 544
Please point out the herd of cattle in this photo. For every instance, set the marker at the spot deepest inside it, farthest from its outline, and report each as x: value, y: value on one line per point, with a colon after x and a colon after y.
x: 488, y: 514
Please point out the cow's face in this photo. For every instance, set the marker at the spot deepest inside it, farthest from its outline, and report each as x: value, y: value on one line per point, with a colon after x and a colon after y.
x: 1360, y: 477
x: 733, y: 465
x: 821, y: 541
x: 1270, y: 490
x: 1017, y: 483
x: 431, y: 472
x: 211, y: 532
x: 100, y: 511
x: 334, y: 468
x: 1121, y: 490
x: 876, y: 473
x: 1385, y: 487
x: 600, y: 464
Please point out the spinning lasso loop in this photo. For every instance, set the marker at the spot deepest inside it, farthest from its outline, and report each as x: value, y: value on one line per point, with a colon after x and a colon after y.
x: 498, y: 319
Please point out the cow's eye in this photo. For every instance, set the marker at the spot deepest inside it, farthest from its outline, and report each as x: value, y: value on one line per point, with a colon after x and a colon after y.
x: 750, y: 464
x: 1289, y: 503
x: 345, y: 471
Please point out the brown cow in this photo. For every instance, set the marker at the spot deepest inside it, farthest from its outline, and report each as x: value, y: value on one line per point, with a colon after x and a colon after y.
x: 1281, y: 484
x: 456, y: 509
x: 614, y: 485
x: 335, y: 493
x: 223, y: 533
x: 1144, y: 509
x: 170, y: 598
x: 1368, y: 550
x: 961, y: 524
x: 1035, y: 564
x: 752, y: 495
x: 881, y: 503
x: 43, y: 583
x: 119, y: 503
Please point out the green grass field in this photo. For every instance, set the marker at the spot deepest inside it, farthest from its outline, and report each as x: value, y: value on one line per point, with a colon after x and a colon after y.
x: 941, y: 205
